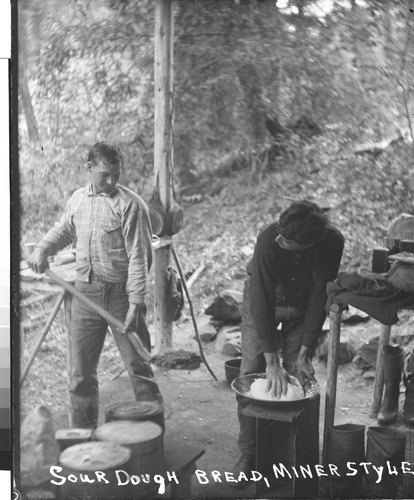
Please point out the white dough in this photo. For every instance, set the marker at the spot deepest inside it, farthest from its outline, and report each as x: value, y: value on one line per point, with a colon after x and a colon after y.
x: 258, y: 391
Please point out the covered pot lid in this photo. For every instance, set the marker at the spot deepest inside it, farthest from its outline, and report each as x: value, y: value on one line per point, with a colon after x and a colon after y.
x: 94, y: 455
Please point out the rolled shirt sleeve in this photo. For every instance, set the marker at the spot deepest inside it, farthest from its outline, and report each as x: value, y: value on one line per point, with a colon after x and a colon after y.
x: 137, y: 232
x: 63, y: 233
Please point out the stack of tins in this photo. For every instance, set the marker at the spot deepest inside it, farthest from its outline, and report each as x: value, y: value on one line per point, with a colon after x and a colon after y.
x: 137, y: 411
x: 144, y: 439
x: 70, y: 437
x: 90, y: 470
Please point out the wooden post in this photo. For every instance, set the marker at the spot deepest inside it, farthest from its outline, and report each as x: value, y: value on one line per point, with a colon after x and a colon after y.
x: 42, y: 336
x: 331, y: 373
x: 384, y: 339
x: 163, y: 155
x: 68, y: 327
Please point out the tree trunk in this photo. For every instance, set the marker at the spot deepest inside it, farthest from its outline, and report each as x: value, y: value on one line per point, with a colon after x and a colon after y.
x: 29, y: 51
x: 250, y: 83
x: 28, y: 109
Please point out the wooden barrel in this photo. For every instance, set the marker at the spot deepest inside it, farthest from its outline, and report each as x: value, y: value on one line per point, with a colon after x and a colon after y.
x: 137, y: 410
x: 91, y: 470
x: 145, y: 442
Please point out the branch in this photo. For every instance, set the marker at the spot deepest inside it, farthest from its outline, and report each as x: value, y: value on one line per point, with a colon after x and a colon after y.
x: 407, y: 43
x: 377, y: 147
x: 406, y: 108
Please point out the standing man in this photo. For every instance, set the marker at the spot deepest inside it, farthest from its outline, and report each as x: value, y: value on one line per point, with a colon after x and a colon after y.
x: 286, y: 284
x: 112, y: 229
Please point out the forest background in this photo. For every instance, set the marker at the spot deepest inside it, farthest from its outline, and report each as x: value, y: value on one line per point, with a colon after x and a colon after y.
x: 273, y: 101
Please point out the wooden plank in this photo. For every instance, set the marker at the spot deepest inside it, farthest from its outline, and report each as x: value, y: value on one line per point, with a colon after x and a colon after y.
x: 289, y: 414
x: 178, y: 455
x: 405, y: 257
x: 163, y: 156
x: 180, y: 458
x: 43, y: 297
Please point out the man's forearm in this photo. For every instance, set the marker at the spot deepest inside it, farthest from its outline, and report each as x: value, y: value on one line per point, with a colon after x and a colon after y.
x: 56, y: 239
x: 46, y: 248
x: 272, y: 358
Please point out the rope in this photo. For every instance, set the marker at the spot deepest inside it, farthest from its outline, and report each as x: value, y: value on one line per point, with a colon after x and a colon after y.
x: 187, y: 293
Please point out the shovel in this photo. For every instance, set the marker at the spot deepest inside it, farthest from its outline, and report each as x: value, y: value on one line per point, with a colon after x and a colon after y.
x: 133, y: 336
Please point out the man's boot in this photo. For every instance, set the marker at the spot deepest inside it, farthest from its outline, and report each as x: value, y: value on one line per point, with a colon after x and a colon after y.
x: 242, y: 470
x: 392, y: 376
x: 385, y: 448
x: 409, y: 389
x: 346, y: 443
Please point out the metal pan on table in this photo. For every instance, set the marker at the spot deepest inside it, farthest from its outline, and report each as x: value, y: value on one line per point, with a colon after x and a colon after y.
x: 241, y: 386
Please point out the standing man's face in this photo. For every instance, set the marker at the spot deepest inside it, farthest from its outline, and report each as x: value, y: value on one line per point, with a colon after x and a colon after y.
x: 104, y: 177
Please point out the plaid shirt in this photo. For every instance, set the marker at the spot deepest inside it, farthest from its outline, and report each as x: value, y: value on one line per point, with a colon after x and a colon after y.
x: 113, y: 238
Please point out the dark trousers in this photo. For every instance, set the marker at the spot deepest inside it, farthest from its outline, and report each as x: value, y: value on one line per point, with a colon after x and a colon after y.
x: 253, y: 360
x: 88, y: 336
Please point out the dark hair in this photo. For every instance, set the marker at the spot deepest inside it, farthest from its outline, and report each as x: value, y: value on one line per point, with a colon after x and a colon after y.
x: 107, y: 153
x: 303, y: 222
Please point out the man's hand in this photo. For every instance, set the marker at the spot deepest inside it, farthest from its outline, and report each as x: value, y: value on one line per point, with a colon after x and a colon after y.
x: 37, y: 261
x: 277, y: 377
x: 131, y: 316
x: 305, y: 369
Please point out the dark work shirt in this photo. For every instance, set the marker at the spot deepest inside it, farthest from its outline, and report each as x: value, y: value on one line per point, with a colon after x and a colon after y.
x: 302, y: 277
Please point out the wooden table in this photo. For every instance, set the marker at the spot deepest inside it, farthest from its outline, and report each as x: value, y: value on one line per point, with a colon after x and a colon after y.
x: 335, y: 317
x: 32, y: 282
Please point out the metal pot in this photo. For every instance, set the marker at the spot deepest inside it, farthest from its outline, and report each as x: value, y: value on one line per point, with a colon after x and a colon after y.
x: 241, y: 386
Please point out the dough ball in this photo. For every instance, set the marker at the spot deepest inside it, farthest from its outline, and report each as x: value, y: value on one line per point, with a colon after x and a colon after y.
x: 258, y: 391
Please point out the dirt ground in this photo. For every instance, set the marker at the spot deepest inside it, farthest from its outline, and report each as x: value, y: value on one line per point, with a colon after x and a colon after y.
x: 202, y: 412
x: 198, y: 410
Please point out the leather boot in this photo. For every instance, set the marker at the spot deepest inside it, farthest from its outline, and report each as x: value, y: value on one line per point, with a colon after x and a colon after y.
x: 242, y: 471
x: 385, y: 448
x: 392, y: 377
x: 346, y: 443
x: 408, y: 409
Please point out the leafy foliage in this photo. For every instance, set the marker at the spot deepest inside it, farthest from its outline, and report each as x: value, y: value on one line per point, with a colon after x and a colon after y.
x: 89, y: 69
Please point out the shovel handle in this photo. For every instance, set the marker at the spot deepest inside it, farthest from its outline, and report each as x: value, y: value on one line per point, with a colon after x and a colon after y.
x: 133, y: 336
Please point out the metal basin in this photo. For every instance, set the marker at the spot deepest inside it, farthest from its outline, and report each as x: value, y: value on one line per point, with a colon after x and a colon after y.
x: 241, y: 386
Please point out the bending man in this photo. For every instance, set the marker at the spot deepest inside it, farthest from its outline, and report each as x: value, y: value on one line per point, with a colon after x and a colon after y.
x: 286, y: 284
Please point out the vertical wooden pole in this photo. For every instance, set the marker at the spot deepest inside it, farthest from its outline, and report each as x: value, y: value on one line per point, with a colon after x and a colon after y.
x: 331, y: 373
x: 68, y: 327
x: 384, y: 340
x: 163, y: 155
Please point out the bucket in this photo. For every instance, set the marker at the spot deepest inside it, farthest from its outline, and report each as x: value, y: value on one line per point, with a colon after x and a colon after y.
x: 137, y: 411
x: 88, y: 470
x: 385, y: 448
x: 346, y: 443
x: 232, y: 369
x: 145, y: 442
